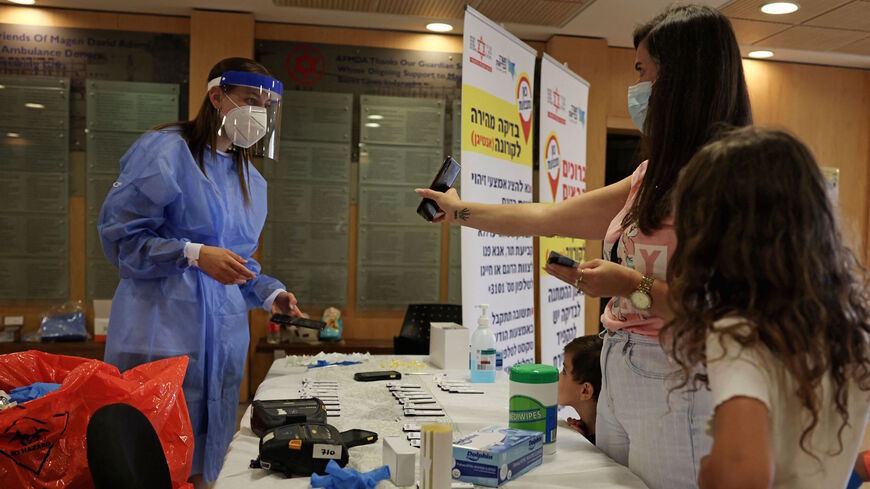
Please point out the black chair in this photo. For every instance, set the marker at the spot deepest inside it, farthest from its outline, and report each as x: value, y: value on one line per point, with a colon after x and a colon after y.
x: 413, y: 338
x: 124, y: 450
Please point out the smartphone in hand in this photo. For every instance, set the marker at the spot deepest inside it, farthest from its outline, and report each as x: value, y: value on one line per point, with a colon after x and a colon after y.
x: 563, y: 260
x: 442, y: 183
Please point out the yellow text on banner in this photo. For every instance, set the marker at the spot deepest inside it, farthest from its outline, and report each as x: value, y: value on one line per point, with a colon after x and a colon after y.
x: 495, y: 127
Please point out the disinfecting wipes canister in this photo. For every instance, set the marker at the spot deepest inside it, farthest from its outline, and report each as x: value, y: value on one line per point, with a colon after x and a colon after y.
x: 534, y: 392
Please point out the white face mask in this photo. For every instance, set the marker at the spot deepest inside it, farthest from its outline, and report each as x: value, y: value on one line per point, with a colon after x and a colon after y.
x: 638, y: 100
x: 245, y: 125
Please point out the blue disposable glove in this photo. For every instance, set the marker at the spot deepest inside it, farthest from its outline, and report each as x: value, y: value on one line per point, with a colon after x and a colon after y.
x: 854, y: 481
x: 324, y: 363
x: 32, y: 391
x: 347, y: 478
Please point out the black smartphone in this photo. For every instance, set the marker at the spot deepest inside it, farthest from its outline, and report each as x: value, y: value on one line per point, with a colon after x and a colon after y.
x: 561, y: 260
x: 377, y: 375
x: 299, y: 322
x: 308, y: 323
x: 442, y: 183
x: 357, y: 437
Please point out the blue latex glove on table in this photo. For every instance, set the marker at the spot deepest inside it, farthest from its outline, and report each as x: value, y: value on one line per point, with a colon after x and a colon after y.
x: 347, y: 478
x: 324, y: 363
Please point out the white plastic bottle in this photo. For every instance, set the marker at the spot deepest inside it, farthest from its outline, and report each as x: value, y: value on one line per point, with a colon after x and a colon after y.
x: 483, y: 350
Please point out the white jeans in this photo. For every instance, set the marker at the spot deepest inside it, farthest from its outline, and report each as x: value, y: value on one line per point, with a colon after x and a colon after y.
x: 660, y: 438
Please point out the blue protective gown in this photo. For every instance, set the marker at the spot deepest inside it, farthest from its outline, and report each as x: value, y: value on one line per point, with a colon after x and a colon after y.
x: 163, y: 307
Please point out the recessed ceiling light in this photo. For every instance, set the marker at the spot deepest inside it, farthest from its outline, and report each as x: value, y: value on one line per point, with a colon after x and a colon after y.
x: 13, y: 135
x: 779, y: 8
x: 439, y: 27
x: 31, y: 105
x: 376, y: 117
x: 23, y: 2
x: 372, y: 124
x: 760, y: 54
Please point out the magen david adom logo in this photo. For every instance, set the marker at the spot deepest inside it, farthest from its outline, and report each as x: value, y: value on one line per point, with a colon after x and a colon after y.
x: 554, y: 162
x: 524, y: 104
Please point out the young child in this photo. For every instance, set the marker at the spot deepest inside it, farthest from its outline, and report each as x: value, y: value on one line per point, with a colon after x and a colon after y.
x: 580, y: 381
x: 768, y: 298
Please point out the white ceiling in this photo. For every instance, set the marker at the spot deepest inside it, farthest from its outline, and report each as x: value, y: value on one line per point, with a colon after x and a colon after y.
x: 613, y: 20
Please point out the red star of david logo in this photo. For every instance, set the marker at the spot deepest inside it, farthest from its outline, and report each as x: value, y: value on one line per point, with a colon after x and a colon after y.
x: 556, y: 101
x: 306, y: 65
x: 481, y: 47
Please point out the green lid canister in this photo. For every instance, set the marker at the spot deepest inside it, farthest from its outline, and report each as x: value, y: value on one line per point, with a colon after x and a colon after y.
x: 534, y: 390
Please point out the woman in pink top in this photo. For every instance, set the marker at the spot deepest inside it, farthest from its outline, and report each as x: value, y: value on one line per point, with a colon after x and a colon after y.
x: 690, y: 85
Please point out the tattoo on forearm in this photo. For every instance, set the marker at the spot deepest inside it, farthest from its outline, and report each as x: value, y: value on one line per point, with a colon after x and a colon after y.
x: 464, y: 214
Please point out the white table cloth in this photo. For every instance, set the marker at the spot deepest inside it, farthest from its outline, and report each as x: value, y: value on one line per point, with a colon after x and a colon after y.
x: 370, y: 406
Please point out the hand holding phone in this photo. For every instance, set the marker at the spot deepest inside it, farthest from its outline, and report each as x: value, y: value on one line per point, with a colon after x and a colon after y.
x: 443, y: 181
x: 563, y: 260
x: 297, y: 321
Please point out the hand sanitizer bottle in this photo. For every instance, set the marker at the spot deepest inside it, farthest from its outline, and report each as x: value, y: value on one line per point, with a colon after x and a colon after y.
x: 483, y: 350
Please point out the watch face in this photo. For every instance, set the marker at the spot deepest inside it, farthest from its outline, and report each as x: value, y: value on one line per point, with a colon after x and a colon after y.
x: 640, y: 300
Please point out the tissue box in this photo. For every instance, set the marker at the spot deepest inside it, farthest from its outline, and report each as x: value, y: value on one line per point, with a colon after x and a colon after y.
x: 400, y: 457
x: 495, y: 455
x: 448, y: 346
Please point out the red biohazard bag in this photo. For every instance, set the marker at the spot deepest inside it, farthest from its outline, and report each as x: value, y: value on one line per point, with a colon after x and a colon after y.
x: 43, y: 442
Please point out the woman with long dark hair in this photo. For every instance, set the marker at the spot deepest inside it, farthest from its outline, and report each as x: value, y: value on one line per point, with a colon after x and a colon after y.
x: 690, y: 84
x: 769, y: 299
x: 180, y: 224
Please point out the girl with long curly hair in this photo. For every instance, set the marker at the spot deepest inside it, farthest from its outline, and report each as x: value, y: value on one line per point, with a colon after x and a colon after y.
x: 770, y: 300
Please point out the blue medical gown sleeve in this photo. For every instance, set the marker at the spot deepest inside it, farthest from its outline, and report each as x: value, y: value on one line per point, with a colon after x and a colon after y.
x: 259, y: 288
x: 131, y: 223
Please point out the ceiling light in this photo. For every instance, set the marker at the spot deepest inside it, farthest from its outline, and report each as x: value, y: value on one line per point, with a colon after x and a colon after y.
x: 23, y: 2
x: 760, y: 54
x: 13, y: 135
x: 376, y: 117
x: 372, y: 124
x: 2, y: 87
x: 31, y: 105
x: 439, y: 27
x: 779, y: 8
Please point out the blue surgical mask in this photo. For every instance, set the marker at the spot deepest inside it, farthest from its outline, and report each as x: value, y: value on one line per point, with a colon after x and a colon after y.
x: 638, y: 100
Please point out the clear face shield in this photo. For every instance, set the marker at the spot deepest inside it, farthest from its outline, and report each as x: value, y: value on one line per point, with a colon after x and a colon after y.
x: 254, y: 121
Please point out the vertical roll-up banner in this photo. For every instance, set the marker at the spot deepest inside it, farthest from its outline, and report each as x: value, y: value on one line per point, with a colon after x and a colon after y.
x: 497, y: 75
x: 564, y: 98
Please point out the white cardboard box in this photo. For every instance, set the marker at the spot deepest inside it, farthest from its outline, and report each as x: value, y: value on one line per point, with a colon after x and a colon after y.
x: 448, y: 346
x: 399, y: 456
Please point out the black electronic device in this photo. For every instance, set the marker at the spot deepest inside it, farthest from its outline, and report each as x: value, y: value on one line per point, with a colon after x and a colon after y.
x: 561, y: 260
x: 442, y: 183
x: 266, y: 415
x: 303, y: 448
x: 298, y: 322
x: 377, y: 375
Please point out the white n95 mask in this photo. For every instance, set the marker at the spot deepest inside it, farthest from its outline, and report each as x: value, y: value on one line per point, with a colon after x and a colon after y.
x: 638, y: 101
x: 245, y: 125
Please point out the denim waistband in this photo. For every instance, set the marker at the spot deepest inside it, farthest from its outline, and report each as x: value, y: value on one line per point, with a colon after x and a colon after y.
x: 619, y: 336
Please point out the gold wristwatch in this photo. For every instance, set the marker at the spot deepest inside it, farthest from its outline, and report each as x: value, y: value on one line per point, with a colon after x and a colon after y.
x: 641, y: 298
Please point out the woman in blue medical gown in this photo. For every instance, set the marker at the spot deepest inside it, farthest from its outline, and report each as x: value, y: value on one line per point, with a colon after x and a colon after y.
x: 180, y: 224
